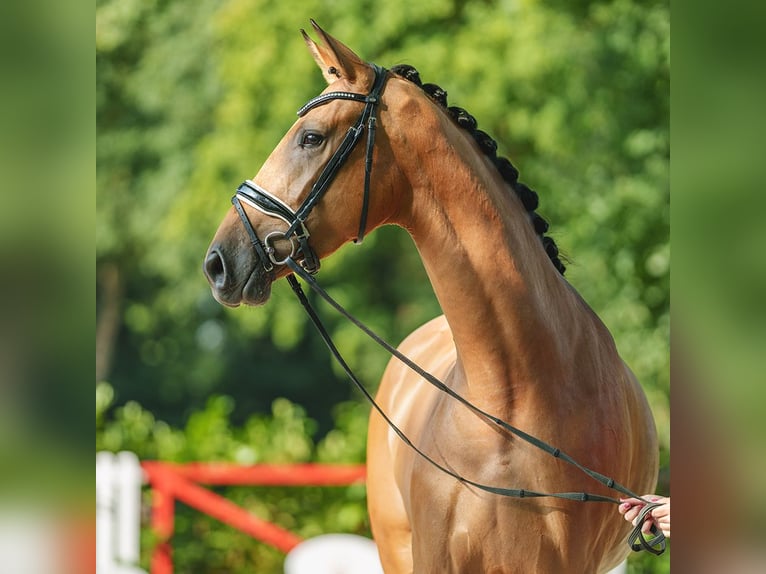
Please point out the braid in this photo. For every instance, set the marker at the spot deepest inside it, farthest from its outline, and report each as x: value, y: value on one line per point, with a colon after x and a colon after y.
x: 408, y: 73
x: 529, y: 198
x: 436, y: 94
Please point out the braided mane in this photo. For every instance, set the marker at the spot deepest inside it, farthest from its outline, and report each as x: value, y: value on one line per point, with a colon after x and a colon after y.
x: 489, y: 146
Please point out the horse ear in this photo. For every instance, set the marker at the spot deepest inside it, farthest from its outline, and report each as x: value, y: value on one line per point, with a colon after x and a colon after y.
x: 334, y: 59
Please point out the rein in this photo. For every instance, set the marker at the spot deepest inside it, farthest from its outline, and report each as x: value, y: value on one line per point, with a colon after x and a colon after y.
x: 636, y: 539
x: 267, y: 203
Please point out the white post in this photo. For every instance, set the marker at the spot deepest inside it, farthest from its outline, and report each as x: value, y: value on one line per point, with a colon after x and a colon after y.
x: 104, y: 510
x: 129, y: 508
x: 118, y: 513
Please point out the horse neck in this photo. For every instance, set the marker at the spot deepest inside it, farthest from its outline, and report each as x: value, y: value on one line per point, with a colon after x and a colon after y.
x: 509, y: 310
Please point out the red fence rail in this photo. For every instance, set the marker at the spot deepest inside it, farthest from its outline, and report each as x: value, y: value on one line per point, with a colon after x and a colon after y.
x: 171, y: 482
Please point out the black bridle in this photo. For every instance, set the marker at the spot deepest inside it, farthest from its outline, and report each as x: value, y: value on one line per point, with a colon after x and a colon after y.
x: 262, y: 200
x: 297, y: 233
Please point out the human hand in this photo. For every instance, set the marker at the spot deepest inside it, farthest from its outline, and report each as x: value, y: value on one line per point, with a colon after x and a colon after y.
x: 659, y: 516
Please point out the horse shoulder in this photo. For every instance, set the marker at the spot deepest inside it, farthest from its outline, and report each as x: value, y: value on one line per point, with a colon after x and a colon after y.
x: 407, y: 400
x: 402, y: 393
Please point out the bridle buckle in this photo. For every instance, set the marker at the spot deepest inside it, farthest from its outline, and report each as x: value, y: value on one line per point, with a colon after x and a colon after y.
x: 270, y: 248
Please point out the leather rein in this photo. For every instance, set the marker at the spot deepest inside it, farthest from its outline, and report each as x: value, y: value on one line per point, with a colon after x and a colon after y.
x: 297, y: 234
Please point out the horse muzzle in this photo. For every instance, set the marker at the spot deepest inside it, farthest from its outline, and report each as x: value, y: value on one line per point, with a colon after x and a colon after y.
x: 238, y: 278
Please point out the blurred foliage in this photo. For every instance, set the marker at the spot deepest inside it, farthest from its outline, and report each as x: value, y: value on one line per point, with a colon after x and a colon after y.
x: 285, y: 435
x: 191, y: 98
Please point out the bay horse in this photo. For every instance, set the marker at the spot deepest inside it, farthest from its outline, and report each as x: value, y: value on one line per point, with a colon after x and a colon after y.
x: 515, y: 339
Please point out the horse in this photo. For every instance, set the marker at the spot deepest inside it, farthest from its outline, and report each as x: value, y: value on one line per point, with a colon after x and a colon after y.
x: 515, y: 338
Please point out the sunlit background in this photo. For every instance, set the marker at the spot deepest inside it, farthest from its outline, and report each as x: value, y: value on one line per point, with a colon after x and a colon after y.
x: 191, y: 98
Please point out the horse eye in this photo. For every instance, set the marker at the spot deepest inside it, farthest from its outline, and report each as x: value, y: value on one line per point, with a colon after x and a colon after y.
x: 311, y: 139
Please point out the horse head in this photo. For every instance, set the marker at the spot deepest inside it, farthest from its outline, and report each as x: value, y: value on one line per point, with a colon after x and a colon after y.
x: 315, y: 192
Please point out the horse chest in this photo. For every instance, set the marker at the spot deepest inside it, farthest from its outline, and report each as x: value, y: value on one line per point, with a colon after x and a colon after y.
x: 440, y: 501
x: 459, y: 529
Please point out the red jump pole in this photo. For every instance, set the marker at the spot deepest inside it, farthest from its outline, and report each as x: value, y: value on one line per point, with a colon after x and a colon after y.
x: 171, y: 482
x: 271, y: 474
x: 163, y: 520
x: 222, y: 509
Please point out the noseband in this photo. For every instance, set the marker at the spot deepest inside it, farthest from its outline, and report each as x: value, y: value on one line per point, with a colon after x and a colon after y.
x: 297, y: 233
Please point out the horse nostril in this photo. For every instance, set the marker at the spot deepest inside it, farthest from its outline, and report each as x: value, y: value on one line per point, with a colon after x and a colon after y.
x: 214, y: 268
